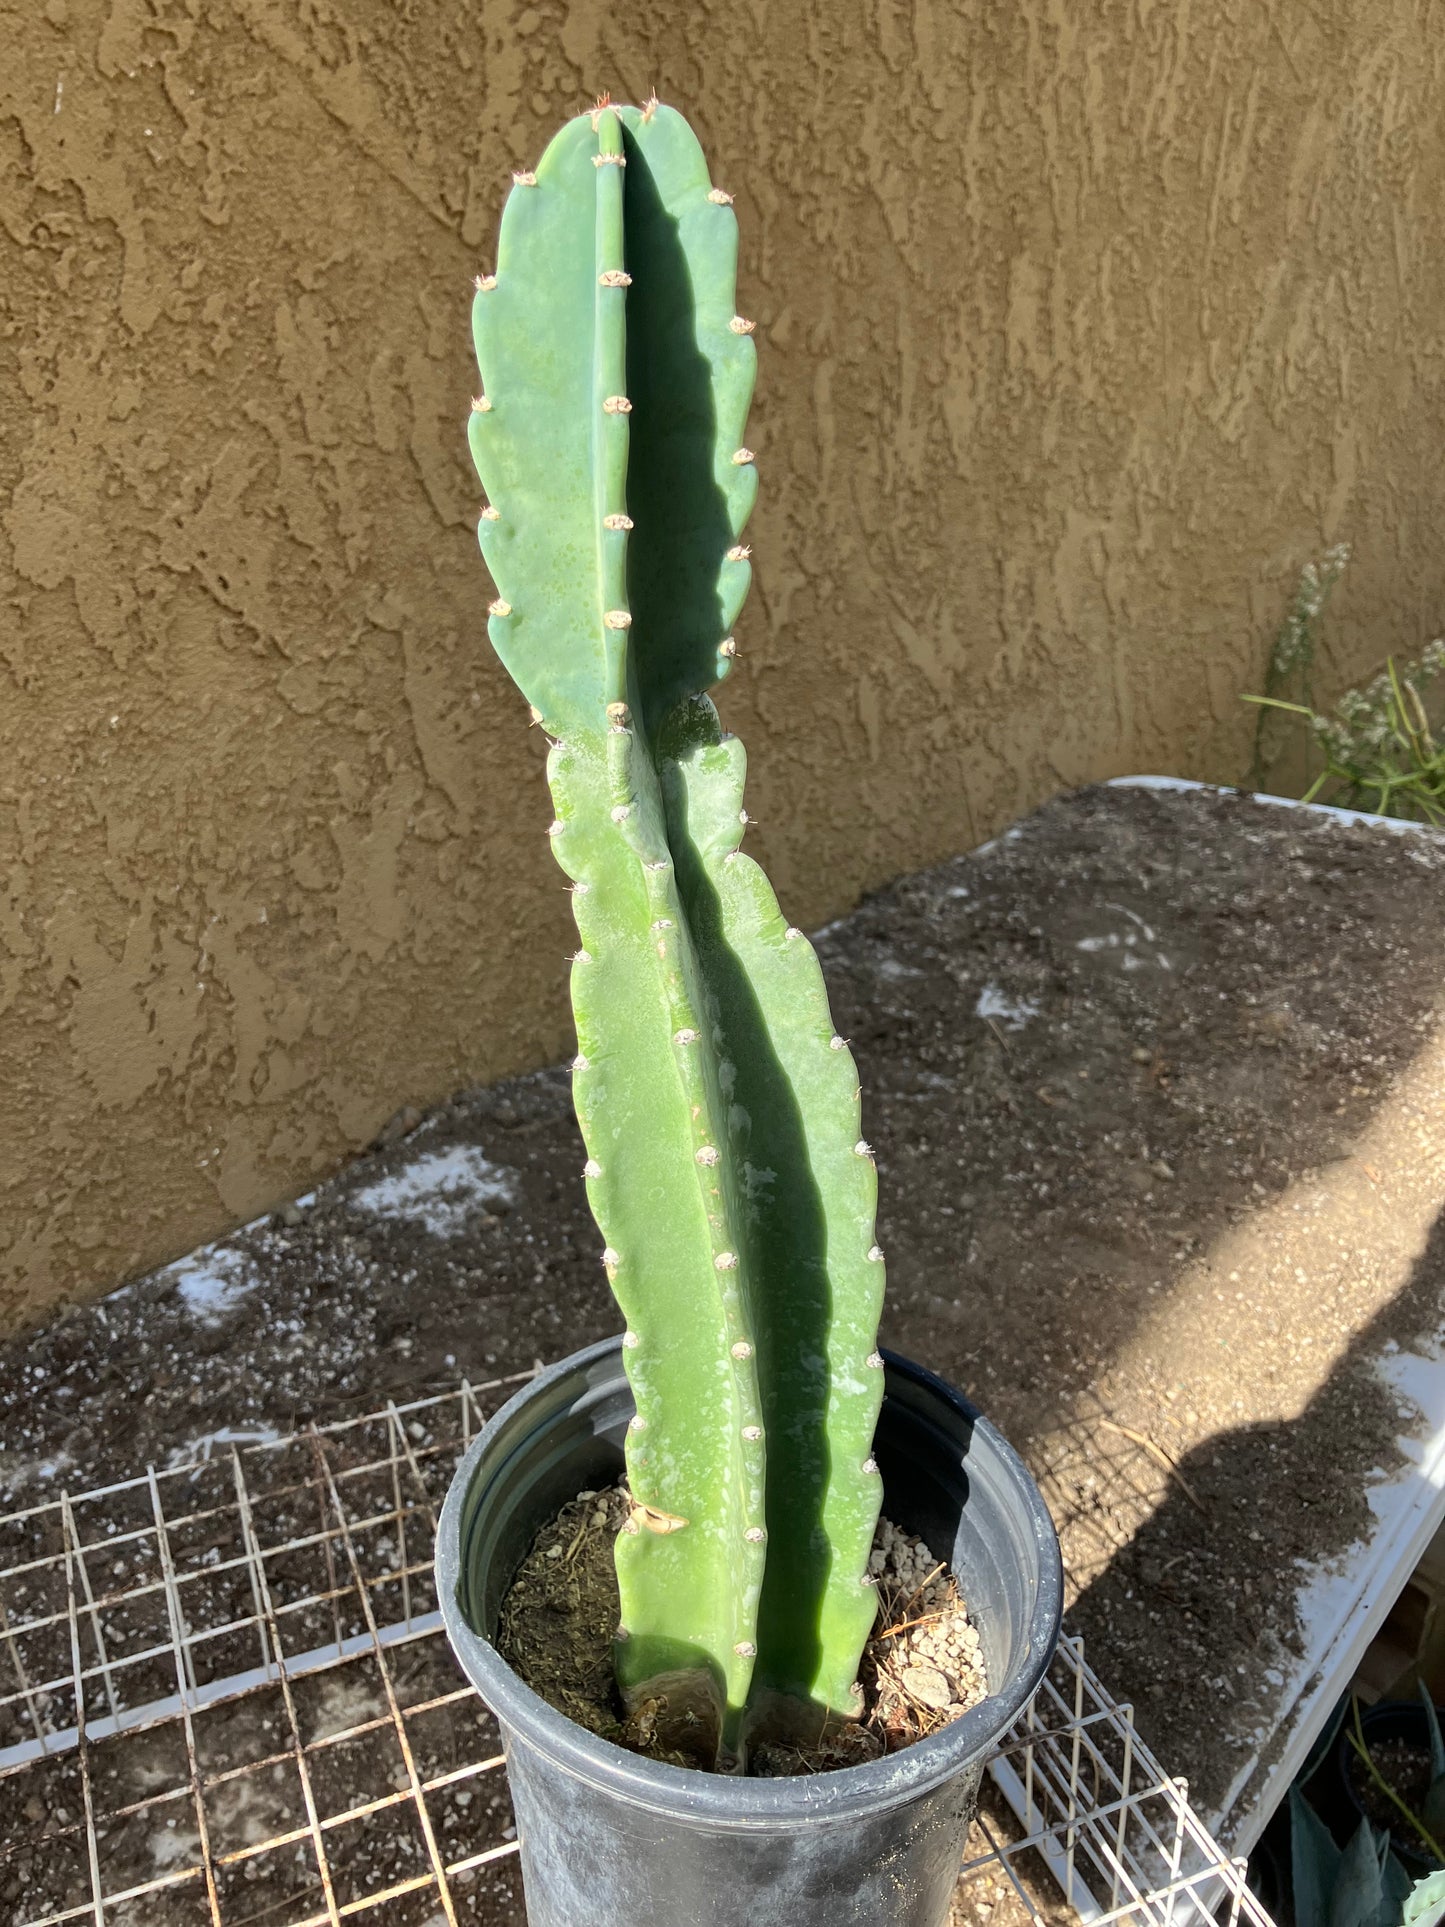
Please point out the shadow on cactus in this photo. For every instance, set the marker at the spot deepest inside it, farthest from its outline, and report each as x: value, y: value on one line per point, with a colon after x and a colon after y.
x: 720, y: 1111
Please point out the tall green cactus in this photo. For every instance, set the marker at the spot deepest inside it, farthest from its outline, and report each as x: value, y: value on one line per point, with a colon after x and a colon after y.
x: 720, y: 1111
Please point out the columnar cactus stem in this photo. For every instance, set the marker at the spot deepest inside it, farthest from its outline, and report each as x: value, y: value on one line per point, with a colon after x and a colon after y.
x: 725, y: 1164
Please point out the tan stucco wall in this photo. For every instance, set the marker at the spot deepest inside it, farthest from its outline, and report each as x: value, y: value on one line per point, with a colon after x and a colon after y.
x: 1081, y: 326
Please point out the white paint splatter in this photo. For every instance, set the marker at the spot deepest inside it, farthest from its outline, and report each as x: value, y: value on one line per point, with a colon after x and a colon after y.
x: 345, y: 1700
x: 18, y: 1472
x: 174, y: 1846
x: 212, y: 1281
x: 893, y: 971
x: 199, y: 1450
x: 997, y: 1004
x: 442, y: 1190
x: 1127, y: 941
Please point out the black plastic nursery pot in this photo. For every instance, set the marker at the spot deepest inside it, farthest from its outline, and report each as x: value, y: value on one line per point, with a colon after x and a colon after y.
x: 1388, y: 1720
x: 609, y: 1839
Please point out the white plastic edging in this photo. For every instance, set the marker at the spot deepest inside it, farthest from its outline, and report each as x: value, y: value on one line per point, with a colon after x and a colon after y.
x: 1399, y: 824
x: 1342, y: 1609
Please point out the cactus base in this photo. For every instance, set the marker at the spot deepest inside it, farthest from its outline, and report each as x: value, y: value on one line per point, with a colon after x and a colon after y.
x: 611, y: 1838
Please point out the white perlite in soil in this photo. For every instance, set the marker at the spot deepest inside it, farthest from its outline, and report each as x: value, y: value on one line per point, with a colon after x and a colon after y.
x: 926, y: 1659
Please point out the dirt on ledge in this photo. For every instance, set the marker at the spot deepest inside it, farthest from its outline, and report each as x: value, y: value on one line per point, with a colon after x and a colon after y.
x: 1157, y: 1088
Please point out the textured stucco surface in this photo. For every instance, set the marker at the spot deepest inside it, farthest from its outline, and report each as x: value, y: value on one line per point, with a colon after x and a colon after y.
x: 1081, y: 328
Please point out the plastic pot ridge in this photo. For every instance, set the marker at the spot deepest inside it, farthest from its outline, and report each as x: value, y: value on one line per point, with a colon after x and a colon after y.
x: 608, y: 1837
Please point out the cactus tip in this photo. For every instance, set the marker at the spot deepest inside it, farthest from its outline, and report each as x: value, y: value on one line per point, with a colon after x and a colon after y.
x: 745, y: 1649
x: 609, y: 160
x: 685, y: 1036
x: 592, y: 1169
x: 621, y: 812
x: 874, y: 1361
x: 614, y: 278
x: 741, y: 326
x: 484, y: 283
x: 875, y: 1254
x: 720, y: 197
x: 637, y: 1423
x: 792, y: 933
x: 580, y: 1063
x: 611, y: 1258
x: 617, y: 521
x: 742, y: 456
x: 489, y: 514
x: 863, y: 1149
x: 752, y: 1433
x: 837, y: 1043
x: 742, y: 1349
x: 739, y: 552
x: 630, y: 1341
x: 481, y: 404
x: 755, y: 1535
x: 650, y: 106
x: 869, y: 1467
x: 523, y: 177
x: 709, y: 1154
x: 728, y: 1261
x: 728, y: 647
x: 500, y: 607
x: 618, y: 619
x: 617, y: 405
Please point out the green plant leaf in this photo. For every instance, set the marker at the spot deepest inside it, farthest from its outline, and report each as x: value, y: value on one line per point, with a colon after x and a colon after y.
x: 1359, y: 1890
x: 1437, y: 1745
x: 1314, y: 1863
x: 1325, y: 1740
x: 1425, y: 1903
x: 1396, y: 1883
x: 1432, y: 1808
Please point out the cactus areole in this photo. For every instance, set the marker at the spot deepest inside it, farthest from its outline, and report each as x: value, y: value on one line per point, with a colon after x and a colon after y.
x: 726, y: 1166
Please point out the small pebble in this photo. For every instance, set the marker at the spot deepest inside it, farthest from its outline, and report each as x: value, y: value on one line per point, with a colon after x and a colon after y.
x: 927, y: 1685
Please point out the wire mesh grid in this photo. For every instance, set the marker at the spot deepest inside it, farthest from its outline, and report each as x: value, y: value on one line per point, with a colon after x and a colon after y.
x: 226, y: 1700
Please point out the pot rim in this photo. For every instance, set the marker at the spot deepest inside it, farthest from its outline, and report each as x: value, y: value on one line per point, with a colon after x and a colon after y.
x: 723, y: 1800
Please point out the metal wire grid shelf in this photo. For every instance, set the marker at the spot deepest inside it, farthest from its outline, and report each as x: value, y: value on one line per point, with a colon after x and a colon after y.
x: 226, y: 1700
